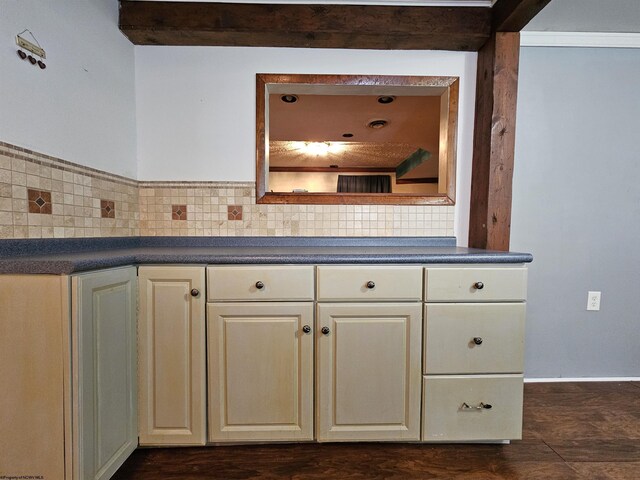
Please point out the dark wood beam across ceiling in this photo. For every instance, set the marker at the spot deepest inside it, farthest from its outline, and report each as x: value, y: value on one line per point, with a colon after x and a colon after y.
x: 307, y: 26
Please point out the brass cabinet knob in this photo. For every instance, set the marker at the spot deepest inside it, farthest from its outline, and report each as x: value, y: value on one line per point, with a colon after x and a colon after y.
x: 259, y: 285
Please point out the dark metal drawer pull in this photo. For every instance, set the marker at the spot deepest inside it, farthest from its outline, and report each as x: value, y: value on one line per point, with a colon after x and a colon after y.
x: 480, y: 406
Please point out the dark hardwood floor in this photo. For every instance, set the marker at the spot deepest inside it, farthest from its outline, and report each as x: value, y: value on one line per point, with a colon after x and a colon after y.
x: 576, y: 430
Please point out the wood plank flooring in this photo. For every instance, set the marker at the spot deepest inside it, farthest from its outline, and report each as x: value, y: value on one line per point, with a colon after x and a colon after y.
x: 579, y: 430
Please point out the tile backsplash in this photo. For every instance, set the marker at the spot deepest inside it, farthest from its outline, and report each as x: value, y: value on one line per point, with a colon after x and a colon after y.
x: 90, y: 203
x: 46, y: 197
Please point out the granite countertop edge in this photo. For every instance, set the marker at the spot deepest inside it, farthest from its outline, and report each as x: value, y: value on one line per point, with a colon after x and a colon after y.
x: 81, y: 262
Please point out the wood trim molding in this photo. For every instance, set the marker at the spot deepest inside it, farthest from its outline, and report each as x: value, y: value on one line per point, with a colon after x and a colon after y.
x: 494, y: 142
x: 580, y: 39
x: 266, y: 83
x: 308, y: 26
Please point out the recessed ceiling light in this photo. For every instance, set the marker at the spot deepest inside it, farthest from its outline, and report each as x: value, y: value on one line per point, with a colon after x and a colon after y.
x: 289, y: 98
x: 385, y: 99
x: 347, y: 135
x: 377, y: 124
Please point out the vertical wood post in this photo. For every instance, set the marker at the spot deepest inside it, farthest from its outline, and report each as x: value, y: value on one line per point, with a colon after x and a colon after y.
x: 494, y: 142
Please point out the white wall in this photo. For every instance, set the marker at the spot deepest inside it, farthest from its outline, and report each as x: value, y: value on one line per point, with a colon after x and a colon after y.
x: 82, y: 107
x: 196, y: 105
x: 576, y: 207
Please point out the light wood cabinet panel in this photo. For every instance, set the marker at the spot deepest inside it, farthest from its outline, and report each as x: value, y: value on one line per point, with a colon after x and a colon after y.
x: 361, y: 283
x: 456, y: 408
x: 172, y: 378
x: 35, y: 414
x: 260, y: 371
x: 105, y: 368
x: 368, y: 372
x: 474, y: 338
x: 260, y: 283
x: 460, y: 284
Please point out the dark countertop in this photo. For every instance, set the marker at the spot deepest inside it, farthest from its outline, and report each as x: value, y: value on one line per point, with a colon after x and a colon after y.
x: 65, y: 256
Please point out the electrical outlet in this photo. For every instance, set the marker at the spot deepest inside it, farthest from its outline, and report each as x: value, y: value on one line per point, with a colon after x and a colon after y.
x: 593, y: 301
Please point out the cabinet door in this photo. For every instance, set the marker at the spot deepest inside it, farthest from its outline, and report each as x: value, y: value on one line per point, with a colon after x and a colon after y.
x: 104, y: 371
x: 171, y: 347
x: 368, y: 377
x: 260, y: 371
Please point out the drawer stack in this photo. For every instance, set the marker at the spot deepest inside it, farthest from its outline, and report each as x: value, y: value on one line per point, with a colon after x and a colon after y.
x: 473, y: 353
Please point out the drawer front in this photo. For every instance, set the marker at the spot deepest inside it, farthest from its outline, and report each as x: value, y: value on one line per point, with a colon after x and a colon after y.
x: 474, y: 338
x: 260, y: 283
x: 363, y: 283
x: 476, y: 284
x: 453, y: 408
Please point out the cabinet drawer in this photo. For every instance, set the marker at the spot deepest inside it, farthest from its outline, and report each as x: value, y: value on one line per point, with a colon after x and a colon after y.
x: 260, y: 283
x: 474, y: 338
x: 362, y: 283
x: 453, y: 408
x: 475, y: 284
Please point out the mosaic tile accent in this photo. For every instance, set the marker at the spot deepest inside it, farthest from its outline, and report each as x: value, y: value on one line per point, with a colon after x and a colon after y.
x: 234, y: 212
x: 107, y: 209
x: 39, y: 201
x: 209, y: 204
x: 178, y: 212
x: 146, y: 208
x: 75, y: 198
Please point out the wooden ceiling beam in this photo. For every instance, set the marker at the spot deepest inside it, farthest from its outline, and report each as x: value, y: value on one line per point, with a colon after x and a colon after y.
x: 514, y: 15
x: 305, y: 26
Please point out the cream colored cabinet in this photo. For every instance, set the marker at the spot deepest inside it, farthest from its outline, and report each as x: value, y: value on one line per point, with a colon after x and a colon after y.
x: 260, y: 352
x: 104, y: 371
x: 473, y: 353
x: 368, y: 372
x: 35, y: 377
x: 368, y: 354
x: 171, y: 350
x: 67, y: 370
x: 260, y: 359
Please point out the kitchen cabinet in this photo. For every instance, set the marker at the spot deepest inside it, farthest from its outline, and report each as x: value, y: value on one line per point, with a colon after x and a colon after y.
x: 474, y: 346
x: 368, y: 372
x: 171, y: 355
x: 260, y: 353
x: 260, y: 371
x: 35, y: 375
x: 368, y: 353
x: 104, y: 365
x: 68, y: 374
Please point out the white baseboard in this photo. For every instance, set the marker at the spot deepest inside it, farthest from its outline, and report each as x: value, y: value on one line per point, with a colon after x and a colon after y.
x: 580, y: 39
x: 582, y: 379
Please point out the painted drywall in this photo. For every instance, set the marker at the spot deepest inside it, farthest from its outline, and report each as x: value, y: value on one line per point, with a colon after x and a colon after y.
x: 576, y: 207
x: 196, y: 108
x: 81, y: 108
